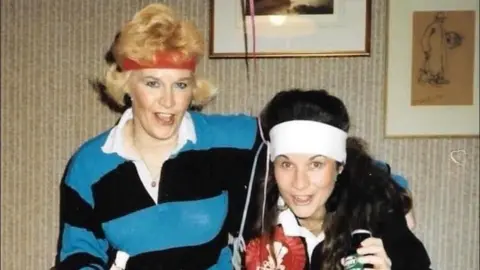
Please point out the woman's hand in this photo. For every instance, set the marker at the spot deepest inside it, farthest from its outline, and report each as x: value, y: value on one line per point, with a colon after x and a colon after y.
x: 372, y: 252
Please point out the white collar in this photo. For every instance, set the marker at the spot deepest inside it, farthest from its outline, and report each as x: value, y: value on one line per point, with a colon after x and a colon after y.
x: 290, y: 226
x: 115, y: 144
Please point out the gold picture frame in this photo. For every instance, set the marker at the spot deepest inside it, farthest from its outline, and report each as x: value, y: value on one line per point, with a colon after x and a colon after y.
x: 344, y: 30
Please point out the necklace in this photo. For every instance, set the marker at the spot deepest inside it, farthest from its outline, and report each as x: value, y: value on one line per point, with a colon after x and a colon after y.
x: 154, y: 173
x: 154, y: 176
x: 155, y: 170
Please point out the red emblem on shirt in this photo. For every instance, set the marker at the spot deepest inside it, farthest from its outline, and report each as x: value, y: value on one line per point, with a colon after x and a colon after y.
x: 289, y: 252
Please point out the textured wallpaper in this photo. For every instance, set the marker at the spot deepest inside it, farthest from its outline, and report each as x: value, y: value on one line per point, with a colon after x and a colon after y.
x: 49, y: 51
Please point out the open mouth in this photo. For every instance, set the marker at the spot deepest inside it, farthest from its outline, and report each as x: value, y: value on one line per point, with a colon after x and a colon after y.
x: 165, y: 118
x: 302, y: 200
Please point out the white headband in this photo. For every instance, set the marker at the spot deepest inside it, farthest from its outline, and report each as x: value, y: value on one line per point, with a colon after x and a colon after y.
x: 308, y: 137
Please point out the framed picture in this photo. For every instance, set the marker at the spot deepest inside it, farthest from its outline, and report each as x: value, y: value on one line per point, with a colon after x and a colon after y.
x: 290, y: 28
x: 432, y: 69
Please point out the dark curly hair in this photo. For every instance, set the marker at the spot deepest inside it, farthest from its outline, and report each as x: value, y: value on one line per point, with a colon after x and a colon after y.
x: 364, y: 192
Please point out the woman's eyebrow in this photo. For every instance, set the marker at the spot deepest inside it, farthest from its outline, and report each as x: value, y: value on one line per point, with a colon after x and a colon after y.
x: 314, y: 157
x: 149, y: 77
x: 185, y: 78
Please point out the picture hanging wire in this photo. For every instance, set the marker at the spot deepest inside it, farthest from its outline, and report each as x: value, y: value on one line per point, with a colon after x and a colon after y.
x: 239, y: 244
x: 251, y: 70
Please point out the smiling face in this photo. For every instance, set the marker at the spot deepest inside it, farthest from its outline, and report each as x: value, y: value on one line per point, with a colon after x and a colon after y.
x: 160, y: 98
x: 305, y: 182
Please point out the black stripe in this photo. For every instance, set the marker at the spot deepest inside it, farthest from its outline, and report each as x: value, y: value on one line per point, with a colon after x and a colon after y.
x: 119, y: 193
x: 202, y: 174
x: 234, y: 172
x: 79, y: 260
x: 184, y: 258
x: 191, y: 175
x: 77, y: 212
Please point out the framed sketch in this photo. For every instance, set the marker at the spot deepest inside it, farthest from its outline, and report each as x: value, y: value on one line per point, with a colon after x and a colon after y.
x: 432, y: 69
x: 290, y: 28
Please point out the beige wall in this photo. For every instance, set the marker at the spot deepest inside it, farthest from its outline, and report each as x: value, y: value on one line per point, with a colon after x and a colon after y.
x: 51, y: 48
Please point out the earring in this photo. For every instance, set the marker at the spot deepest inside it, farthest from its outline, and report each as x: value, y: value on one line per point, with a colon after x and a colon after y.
x: 338, y: 175
x: 127, y: 100
x: 281, y: 204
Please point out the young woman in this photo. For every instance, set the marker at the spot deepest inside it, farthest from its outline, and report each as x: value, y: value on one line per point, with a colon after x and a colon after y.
x: 322, y: 187
x: 125, y: 190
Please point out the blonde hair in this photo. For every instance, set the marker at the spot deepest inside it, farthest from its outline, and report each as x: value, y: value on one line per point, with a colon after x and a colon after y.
x: 153, y: 29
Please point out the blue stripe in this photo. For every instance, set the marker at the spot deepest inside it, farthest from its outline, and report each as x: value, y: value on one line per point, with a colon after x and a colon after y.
x: 400, y: 180
x: 214, y: 130
x: 168, y: 225
x: 73, y: 241
x: 224, y: 260
x: 89, y: 164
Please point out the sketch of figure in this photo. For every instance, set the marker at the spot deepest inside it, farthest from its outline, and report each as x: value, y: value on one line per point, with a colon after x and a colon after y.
x: 435, y: 43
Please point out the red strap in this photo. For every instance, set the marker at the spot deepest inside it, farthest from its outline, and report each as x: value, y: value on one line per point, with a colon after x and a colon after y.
x: 252, y: 20
x: 252, y: 72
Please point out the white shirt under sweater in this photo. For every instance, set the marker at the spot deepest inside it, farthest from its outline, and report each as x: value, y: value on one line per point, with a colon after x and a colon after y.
x: 115, y: 144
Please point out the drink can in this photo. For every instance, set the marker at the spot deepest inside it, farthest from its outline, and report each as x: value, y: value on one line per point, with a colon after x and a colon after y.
x: 351, y: 261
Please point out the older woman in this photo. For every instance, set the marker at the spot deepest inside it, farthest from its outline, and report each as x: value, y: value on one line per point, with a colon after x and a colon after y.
x: 120, y: 191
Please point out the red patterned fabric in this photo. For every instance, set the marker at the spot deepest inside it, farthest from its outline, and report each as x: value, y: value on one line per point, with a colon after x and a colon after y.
x: 289, y: 251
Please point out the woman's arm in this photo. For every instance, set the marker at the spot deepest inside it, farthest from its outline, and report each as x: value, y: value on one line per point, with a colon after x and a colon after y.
x: 229, y: 131
x: 82, y: 244
x: 405, y: 250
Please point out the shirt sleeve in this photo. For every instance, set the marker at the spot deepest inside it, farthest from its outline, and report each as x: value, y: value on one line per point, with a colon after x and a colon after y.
x: 399, y: 179
x: 404, y: 249
x: 82, y: 243
x: 237, y: 131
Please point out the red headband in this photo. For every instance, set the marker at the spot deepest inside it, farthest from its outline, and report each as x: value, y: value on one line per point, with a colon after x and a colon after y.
x: 168, y: 59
